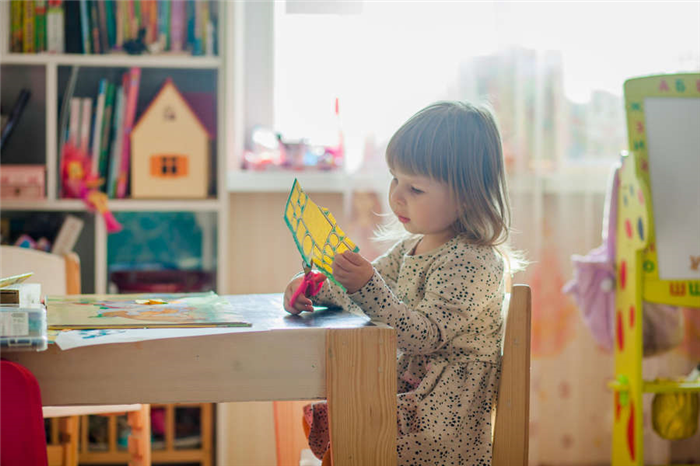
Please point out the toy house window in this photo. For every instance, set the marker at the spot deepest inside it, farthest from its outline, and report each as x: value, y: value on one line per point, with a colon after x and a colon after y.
x: 168, y: 166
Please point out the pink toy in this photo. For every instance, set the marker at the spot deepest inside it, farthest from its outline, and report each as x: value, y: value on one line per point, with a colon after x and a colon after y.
x: 79, y: 183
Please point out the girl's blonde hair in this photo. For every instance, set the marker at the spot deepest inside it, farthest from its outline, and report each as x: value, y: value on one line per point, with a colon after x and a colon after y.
x: 459, y: 144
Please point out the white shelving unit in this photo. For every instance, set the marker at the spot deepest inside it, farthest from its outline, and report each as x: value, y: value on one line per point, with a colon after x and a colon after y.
x: 49, y: 64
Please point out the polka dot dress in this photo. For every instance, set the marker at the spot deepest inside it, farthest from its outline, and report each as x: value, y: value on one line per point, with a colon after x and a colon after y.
x: 446, y: 308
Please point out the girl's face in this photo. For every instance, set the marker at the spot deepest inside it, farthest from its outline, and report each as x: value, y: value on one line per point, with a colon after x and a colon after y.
x: 423, y: 205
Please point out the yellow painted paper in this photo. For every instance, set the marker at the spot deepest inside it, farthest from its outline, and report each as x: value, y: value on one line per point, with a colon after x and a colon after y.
x: 315, y: 231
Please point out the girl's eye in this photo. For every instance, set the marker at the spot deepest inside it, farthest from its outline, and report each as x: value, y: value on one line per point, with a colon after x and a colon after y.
x: 416, y: 190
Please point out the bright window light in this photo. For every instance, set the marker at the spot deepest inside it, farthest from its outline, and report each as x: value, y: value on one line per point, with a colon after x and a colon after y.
x: 567, y: 61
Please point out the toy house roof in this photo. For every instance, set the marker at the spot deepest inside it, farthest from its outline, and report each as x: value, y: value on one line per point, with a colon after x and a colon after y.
x: 170, y: 84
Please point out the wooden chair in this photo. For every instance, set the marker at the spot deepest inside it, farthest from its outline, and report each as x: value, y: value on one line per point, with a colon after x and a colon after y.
x: 510, y: 440
x: 60, y: 275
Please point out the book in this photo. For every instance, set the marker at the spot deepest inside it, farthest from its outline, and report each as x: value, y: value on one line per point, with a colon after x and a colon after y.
x: 102, y: 21
x: 28, y: 39
x: 74, y: 125
x: 164, y: 24
x: 97, y: 128
x: 177, y: 310
x: 85, y: 121
x: 85, y: 28
x: 72, y: 27
x: 117, y: 140
x: 16, y: 29
x: 177, y: 25
x: 95, y: 27
x: 106, y: 133
x: 14, y: 116
x: 68, y: 235
x: 40, y: 25
x: 131, y: 92
x: 63, y: 123
x: 54, y: 27
x: 119, y: 11
x: 110, y: 6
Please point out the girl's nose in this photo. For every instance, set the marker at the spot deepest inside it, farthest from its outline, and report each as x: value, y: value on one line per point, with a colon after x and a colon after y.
x: 396, y: 197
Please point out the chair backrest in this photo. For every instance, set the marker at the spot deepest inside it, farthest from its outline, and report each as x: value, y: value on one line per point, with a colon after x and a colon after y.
x: 510, y: 440
x: 58, y: 275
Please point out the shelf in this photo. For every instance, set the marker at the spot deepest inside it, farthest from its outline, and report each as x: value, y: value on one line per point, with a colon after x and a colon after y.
x: 666, y: 386
x: 114, y: 60
x: 670, y: 387
x: 116, y: 205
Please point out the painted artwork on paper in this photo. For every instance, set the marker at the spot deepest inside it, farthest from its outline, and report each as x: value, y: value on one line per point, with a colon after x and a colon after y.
x: 141, y: 311
x: 315, y: 231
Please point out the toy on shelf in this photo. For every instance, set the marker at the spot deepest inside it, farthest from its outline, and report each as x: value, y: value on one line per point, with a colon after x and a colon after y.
x: 657, y: 251
x: 170, y: 148
x: 78, y: 182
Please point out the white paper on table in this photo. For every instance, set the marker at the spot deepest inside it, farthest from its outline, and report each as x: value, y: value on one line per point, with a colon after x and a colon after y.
x: 79, y: 338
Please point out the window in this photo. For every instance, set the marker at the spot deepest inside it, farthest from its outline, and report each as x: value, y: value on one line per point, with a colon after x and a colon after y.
x: 553, y: 72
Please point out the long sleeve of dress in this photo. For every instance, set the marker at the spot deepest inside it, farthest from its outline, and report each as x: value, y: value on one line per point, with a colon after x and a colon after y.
x: 386, y: 265
x: 456, y: 292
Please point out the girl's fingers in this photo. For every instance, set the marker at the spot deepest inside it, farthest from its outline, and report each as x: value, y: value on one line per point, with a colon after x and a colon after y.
x: 353, y: 257
x: 342, y: 263
x: 303, y: 304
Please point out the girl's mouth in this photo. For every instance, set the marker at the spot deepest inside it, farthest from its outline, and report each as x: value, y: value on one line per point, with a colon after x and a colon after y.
x: 403, y: 219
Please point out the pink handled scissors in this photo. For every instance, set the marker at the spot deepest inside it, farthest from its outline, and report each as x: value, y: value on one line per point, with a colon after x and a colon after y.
x: 310, y: 285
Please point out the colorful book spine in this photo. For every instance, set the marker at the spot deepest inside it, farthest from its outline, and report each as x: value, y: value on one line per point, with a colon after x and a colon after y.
x: 132, y: 26
x: 119, y: 18
x: 177, y: 25
x: 111, y: 24
x: 16, y: 14
x: 85, y: 120
x: 153, y: 20
x: 97, y: 128
x: 95, y: 27
x: 143, y: 19
x: 106, y: 131
x: 190, y: 7
x: 85, y: 26
x: 198, y: 46
x: 164, y: 24
x: 74, y: 125
x: 40, y: 25
x: 129, y: 116
x: 137, y: 17
x: 28, y: 39
x: 102, y: 18
x: 54, y: 27
x: 117, y: 140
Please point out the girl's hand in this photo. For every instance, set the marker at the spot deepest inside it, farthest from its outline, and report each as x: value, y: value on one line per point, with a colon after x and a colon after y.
x: 301, y: 304
x: 352, y: 270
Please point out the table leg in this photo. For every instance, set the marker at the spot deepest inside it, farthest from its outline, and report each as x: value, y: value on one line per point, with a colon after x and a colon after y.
x: 361, y: 391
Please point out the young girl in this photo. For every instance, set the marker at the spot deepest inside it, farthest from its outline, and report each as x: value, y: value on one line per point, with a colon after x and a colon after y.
x: 441, y: 287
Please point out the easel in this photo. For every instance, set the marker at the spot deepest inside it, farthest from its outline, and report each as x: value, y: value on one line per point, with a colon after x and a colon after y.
x: 637, y: 264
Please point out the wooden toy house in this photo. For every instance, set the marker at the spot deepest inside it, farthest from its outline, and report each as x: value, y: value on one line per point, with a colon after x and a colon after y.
x: 170, y: 149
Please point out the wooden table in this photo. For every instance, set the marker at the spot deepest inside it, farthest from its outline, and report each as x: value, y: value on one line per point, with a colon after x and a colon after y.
x: 329, y: 354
